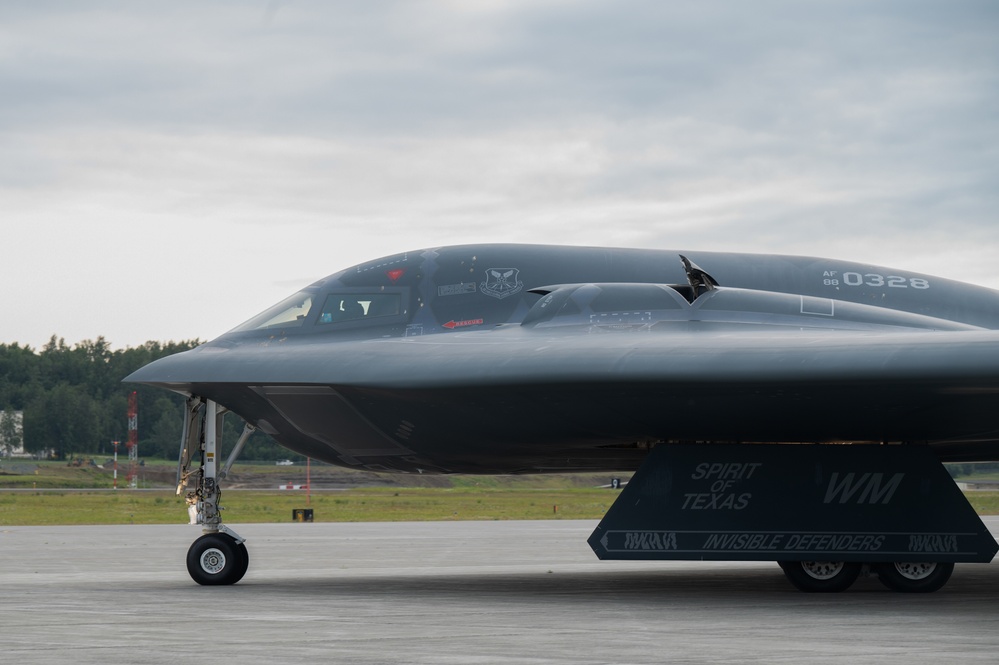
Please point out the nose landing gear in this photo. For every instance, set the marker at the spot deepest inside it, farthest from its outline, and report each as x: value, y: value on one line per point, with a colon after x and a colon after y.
x: 220, y: 555
x: 217, y: 558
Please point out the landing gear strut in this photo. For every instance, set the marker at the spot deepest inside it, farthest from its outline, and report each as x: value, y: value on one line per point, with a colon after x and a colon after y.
x: 219, y: 556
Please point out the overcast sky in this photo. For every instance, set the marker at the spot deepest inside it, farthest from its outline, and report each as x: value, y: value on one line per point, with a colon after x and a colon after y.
x: 167, y: 170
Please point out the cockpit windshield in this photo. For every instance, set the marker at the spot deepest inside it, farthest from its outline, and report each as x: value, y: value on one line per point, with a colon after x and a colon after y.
x: 352, y: 306
x: 289, y: 313
x: 349, y: 305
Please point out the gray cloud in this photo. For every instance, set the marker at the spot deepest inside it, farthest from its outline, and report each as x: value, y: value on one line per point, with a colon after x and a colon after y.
x: 854, y: 129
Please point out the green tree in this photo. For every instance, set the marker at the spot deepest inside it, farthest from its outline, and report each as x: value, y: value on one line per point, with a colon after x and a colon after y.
x: 19, y: 375
x: 74, y: 401
x: 163, y: 438
x: 10, y: 431
x: 65, y: 420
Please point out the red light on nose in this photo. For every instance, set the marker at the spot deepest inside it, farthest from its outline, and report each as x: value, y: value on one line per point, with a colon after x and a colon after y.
x: 394, y: 275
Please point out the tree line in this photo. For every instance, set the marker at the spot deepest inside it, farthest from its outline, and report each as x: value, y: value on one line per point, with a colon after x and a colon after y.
x: 74, y: 402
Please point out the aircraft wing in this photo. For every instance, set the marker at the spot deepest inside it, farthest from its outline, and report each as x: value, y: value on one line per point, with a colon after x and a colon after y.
x: 502, y: 387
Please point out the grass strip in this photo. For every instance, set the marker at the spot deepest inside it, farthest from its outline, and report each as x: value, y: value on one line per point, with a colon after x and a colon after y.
x: 360, y: 505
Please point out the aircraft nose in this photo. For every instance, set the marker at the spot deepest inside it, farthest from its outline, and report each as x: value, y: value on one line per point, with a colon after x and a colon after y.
x: 172, y: 372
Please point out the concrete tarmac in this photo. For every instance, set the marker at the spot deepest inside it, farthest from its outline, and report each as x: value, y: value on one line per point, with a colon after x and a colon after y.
x: 454, y: 592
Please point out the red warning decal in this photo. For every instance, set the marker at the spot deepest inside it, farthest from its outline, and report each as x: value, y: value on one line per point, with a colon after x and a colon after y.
x: 394, y: 275
x: 451, y: 325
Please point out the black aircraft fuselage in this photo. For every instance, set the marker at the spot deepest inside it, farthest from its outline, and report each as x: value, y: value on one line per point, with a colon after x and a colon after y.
x: 698, y: 369
x: 523, y: 358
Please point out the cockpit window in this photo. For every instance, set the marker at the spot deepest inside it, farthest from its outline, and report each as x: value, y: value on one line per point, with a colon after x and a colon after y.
x: 288, y: 313
x: 353, y: 306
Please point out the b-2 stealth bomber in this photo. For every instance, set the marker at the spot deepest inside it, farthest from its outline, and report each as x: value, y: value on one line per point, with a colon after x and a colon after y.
x: 778, y: 408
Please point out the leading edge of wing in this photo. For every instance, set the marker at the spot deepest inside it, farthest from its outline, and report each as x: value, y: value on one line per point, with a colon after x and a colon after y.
x: 952, y: 361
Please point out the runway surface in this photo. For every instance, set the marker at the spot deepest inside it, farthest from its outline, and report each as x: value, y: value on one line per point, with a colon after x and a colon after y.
x: 454, y: 592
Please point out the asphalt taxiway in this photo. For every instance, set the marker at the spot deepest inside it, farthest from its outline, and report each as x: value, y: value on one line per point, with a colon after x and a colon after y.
x: 454, y: 592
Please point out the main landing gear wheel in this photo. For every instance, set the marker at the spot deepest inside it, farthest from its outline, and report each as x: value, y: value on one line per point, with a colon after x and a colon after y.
x: 821, y: 576
x: 922, y: 577
x: 216, y: 558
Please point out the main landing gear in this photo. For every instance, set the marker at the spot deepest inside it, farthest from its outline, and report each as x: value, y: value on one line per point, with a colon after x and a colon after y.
x: 219, y: 556
x: 835, y: 576
x: 821, y: 576
x: 915, y: 577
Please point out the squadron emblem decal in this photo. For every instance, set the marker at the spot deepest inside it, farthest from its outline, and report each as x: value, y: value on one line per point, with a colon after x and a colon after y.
x: 502, y: 282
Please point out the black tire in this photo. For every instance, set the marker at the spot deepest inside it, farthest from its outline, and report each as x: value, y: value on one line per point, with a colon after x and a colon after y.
x: 215, y: 558
x: 821, y: 576
x: 244, y: 562
x: 924, y: 577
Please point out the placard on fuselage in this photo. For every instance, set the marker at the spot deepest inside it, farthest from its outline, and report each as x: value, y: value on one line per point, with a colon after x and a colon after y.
x: 769, y: 502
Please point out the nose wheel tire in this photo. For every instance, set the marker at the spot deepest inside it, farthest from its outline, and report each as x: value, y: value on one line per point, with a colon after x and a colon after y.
x: 920, y: 577
x: 821, y: 576
x: 244, y: 560
x: 216, y: 558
